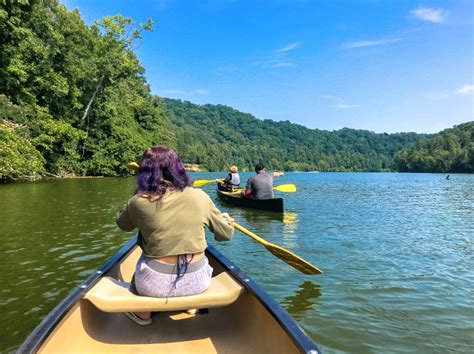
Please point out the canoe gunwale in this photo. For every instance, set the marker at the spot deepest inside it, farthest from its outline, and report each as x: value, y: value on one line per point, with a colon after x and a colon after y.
x: 290, y: 326
x: 42, y: 331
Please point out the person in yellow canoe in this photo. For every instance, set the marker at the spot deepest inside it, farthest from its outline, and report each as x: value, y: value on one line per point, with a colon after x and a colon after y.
x: 173, y: 262
x: 260, y: 186
x: 232, y: 181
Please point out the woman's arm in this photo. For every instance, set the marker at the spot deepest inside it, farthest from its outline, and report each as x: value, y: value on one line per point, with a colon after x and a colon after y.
x: 220, y: 224
x: 124, y: 219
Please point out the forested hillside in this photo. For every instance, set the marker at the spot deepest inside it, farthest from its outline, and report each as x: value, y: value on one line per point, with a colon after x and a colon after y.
x: 73, y: 98
x: 217, y: 136
x: 74, y: 101
x: 452, y: 150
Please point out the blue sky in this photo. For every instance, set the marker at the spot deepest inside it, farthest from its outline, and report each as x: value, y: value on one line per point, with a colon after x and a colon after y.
x: 385, y: 66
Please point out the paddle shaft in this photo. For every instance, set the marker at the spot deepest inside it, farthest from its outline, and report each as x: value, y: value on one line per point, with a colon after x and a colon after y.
x: 280, y: 252
x: 251, y: 234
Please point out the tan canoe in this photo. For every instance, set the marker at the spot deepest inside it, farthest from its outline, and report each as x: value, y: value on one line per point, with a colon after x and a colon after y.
x: 236, y: 316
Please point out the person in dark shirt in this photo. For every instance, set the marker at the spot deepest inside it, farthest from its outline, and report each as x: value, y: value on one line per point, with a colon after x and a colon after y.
x: 260, y: 186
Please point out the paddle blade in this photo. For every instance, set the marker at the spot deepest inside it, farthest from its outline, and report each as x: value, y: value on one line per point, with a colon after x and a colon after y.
x: 288, y: 188
x: 293, y: 260
x: 133, y: 166
x: 202, y: 182
x: 282, y: 253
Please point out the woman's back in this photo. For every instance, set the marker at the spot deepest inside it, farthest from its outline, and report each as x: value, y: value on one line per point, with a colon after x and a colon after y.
x: 174, y: 224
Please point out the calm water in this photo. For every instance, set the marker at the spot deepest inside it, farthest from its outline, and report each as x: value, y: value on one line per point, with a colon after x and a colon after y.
x: 396, y: 250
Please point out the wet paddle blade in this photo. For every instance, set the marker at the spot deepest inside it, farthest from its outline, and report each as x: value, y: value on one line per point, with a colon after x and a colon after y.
x: 293, y: 260
x: 282, y: 253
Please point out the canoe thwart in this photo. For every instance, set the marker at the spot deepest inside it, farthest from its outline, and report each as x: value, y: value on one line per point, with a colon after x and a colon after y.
x: 111, y: 295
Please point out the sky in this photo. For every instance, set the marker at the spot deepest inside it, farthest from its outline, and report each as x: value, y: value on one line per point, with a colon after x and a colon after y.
x: 380, y: 65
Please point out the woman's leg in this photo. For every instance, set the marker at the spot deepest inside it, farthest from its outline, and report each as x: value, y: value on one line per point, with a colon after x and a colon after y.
x: 142, y: 315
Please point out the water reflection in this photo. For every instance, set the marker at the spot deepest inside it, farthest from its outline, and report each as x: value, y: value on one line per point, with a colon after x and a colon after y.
x: 303, y: 300
x: 260, y: 216
x: 290, y: 222
x: 268, y: 221
x: 53, y: 231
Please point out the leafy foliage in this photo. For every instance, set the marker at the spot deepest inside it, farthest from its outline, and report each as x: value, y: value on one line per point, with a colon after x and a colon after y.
x: 74, y: 100
x: 217, y: 136
x: 450, y: 151
x: 85, y: 103
x: 18, y: 157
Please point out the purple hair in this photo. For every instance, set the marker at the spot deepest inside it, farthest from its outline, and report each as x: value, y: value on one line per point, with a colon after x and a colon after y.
x: 160, y: 169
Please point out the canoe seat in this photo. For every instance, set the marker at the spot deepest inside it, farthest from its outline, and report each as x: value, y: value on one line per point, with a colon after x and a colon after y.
x: 112, y: 295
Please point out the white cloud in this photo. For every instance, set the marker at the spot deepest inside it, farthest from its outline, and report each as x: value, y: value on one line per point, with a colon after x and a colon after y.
x: 274, y: 63
x: 282, y: 64
x: 429, y: 14
x: 201, y: 92
x: 466, y: 90
x: 162, y: 3
x: 337, y: 102
x: 332, y: 97
x: 369, y: 43
x: 226, y: 69
x: 287, y: 48
x: 345, y: 106
x: 173, y: 92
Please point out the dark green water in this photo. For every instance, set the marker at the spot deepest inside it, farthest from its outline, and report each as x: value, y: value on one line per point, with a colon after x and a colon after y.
x: 396, y: 249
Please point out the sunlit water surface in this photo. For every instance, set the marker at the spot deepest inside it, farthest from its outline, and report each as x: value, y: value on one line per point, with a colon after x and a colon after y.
x: 396, y: 250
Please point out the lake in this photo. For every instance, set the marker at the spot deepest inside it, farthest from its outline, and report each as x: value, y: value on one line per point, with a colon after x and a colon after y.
x: 396, y: 251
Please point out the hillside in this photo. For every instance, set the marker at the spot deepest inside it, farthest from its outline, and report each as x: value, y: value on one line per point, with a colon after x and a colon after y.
x: 73, y: 98
x: 217, y: 136
x: 452, y: 150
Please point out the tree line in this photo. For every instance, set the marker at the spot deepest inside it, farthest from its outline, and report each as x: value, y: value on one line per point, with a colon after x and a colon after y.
x: 73, y: 97
x: 217, y: 136
x: 74, y: 100
x: 452, y: 150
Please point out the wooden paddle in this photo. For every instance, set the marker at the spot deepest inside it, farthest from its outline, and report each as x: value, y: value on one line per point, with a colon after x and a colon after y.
x: 282, y: 253
x: 133, y: 166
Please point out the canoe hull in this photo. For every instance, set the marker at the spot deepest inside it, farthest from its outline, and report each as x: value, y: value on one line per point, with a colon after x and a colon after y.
x: 275, y: 204
x: 255, y: 323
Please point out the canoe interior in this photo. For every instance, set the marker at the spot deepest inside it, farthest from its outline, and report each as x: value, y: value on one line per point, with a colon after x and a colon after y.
x: 246, y: 326
x: 275, y: 204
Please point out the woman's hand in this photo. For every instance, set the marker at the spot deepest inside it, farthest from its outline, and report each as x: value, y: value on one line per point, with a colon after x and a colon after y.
x: 227, y: 218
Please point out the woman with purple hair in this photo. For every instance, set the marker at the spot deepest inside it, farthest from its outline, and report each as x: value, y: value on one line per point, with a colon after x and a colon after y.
x: 170, y: 216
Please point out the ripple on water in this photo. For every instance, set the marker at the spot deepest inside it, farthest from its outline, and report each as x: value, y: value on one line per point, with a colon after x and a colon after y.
x: 396, y: 251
